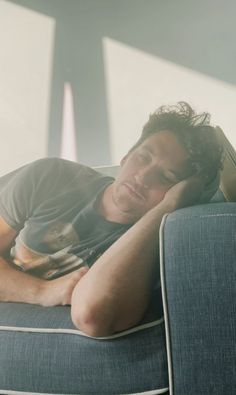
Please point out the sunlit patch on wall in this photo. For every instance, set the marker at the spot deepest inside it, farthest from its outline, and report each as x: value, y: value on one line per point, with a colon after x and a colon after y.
x: 137, y: 83
x: 27, y: 45
x: 68, y: 139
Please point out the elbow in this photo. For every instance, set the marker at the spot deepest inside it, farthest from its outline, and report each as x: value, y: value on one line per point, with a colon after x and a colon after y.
x: 88, y: 321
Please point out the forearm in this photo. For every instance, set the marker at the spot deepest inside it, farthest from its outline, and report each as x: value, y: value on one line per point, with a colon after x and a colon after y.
x: 16, y: 286
x: 115, y: 292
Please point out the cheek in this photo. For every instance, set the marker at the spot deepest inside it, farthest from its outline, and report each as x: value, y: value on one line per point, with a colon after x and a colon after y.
x: 124, y: 173
x: 157, y: 196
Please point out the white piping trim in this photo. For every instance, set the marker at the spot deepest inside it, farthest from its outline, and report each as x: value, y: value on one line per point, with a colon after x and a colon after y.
x: 164, y: 301
x: 9, y: 392
x: 152, y: 392
x: 77, y: 332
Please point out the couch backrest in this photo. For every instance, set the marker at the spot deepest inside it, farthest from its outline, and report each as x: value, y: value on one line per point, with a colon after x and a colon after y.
x: 108, y: 170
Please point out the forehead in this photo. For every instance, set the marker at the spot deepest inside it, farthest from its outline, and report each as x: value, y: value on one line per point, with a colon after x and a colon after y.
x: 166, y: 141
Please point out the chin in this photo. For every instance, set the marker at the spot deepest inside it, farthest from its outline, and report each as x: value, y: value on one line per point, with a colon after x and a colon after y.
x: 126, y: 204
x: 129, y: 209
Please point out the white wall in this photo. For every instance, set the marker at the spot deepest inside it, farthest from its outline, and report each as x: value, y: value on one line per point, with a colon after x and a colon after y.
x: 138, y: 83
x: 26, y: 42
x: 121, y: 59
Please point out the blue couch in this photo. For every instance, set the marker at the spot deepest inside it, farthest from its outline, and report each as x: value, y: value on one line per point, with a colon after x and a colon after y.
x: 192, y: 351
x: 198, y: 272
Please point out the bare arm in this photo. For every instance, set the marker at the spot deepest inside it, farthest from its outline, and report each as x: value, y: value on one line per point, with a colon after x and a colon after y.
x: 115, y: 293
x: 16, y: 286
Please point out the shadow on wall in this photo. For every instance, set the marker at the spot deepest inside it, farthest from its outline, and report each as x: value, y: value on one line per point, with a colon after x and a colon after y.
x: 119, y: 56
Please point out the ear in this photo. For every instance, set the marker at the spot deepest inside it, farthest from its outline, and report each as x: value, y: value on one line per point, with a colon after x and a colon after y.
x: 123, y: 160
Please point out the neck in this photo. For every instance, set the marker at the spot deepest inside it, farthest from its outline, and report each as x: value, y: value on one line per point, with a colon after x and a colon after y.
x: 106, y: 207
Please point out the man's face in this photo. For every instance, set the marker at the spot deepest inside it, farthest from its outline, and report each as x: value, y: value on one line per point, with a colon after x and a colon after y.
x: 148, y: 172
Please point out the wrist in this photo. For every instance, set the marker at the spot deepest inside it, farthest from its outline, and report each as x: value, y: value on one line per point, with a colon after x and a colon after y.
x: 167, y: 205
x: 41, y: 292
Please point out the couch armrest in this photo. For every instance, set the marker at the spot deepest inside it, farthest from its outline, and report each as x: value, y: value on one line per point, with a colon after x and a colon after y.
x: 198, y: 272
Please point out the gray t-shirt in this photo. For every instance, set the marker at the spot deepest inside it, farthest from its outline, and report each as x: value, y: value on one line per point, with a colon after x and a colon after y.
x: 50, y: 202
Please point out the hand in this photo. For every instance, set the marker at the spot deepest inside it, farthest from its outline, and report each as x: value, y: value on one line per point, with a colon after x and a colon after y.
x: 59, y: 291
x: 185, y: 193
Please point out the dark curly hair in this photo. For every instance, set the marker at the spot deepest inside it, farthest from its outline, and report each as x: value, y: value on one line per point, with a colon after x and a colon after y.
x: 193, y: 131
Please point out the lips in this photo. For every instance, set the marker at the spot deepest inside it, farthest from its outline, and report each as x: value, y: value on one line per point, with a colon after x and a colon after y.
x: 134, y: 191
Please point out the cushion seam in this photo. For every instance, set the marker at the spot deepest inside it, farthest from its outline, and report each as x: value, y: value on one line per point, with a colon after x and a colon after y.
x: 165, y: 305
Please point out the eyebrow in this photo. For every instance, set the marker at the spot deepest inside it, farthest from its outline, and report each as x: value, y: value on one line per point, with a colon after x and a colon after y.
x: 178, y: 176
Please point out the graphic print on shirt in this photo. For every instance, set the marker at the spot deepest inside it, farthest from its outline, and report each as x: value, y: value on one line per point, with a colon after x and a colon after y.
x: 51, y: 203
x: 58, y: 238
x: 60, y: 235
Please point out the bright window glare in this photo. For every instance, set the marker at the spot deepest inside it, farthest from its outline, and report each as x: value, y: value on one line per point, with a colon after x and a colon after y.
x: 137, y: 83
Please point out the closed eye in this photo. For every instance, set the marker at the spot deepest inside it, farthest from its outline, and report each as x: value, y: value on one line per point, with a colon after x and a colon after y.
x: 143, y: 157
x: 165, y: 180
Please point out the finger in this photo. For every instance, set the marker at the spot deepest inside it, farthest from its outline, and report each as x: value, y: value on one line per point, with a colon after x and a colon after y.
x: 80, y: 272
x: 83, y: 269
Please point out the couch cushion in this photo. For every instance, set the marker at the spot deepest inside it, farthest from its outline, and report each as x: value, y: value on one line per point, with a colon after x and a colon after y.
x: 42, y: 352
x: 198, y: 255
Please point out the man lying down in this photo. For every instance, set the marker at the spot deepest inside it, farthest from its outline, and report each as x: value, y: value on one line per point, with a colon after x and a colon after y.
x: 70, y: 235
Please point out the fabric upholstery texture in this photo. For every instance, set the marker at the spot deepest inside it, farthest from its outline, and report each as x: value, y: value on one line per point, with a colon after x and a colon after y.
x: 199, y: 292
x: 42, y: 352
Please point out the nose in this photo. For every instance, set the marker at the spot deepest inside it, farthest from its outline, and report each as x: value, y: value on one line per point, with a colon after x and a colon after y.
x: 144, y: 177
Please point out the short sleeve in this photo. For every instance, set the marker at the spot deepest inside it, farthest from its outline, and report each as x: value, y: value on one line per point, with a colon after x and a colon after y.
x: 19, y: 190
